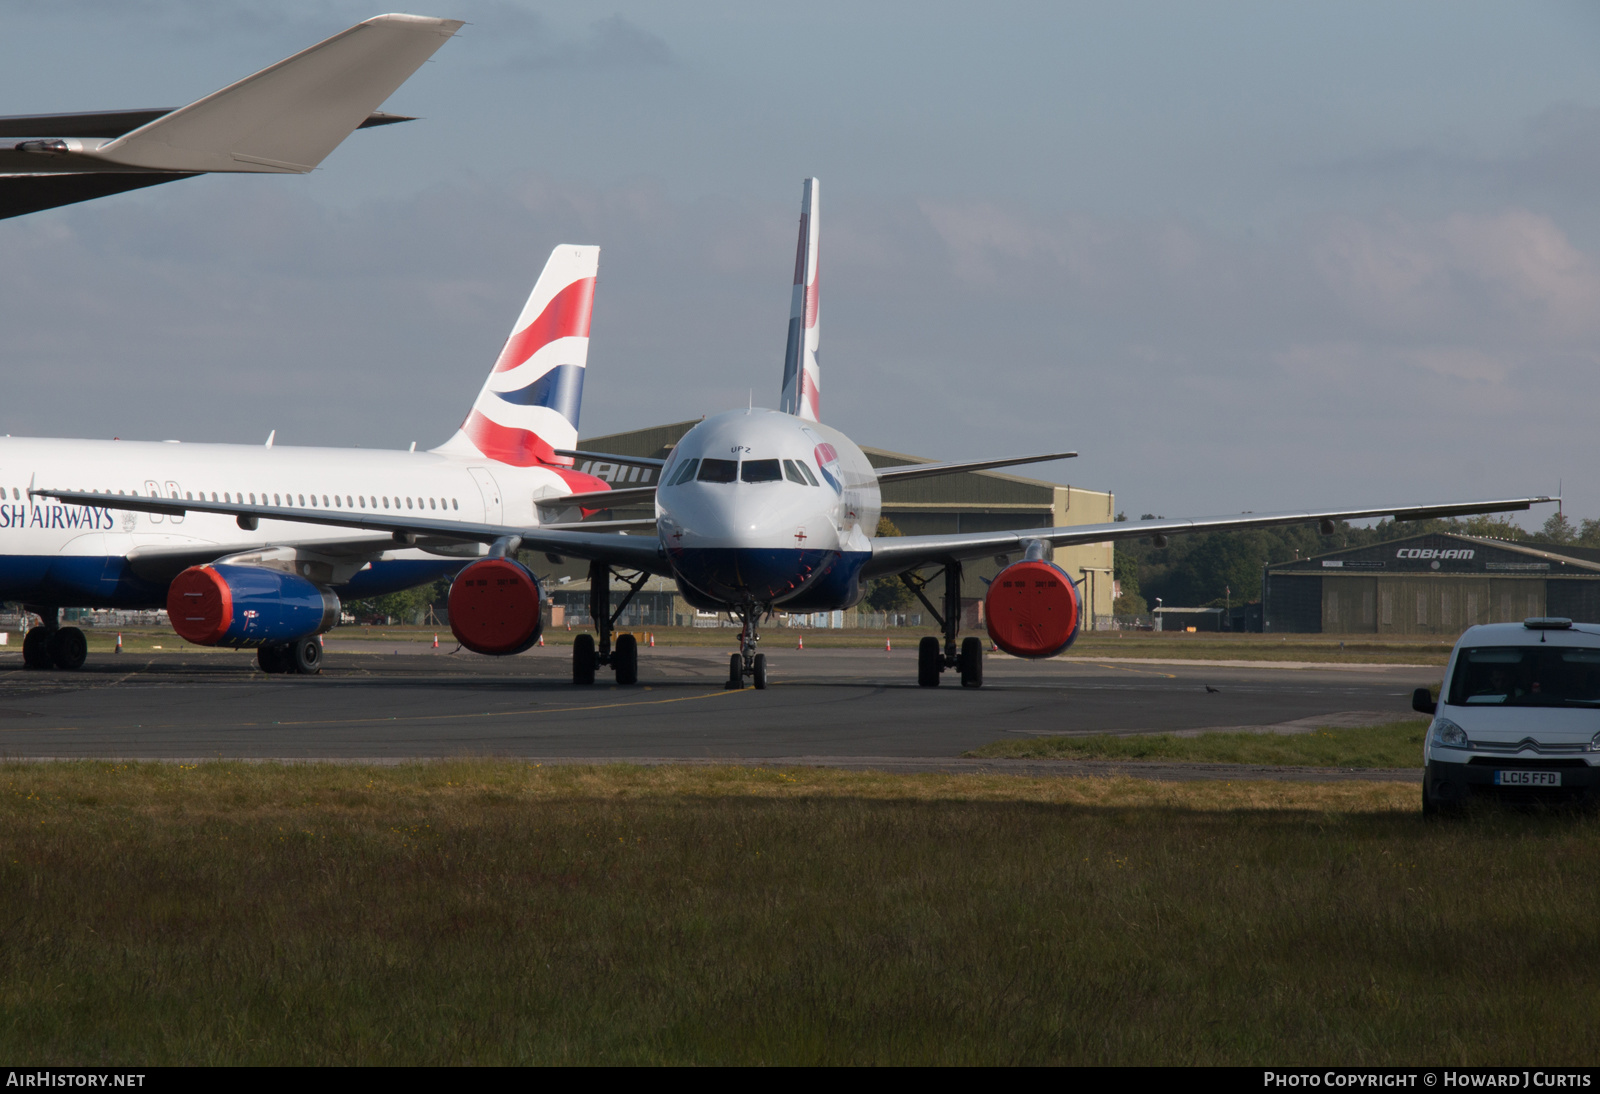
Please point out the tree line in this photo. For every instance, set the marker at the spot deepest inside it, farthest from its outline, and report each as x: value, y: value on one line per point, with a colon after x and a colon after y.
x: 1215, y: 569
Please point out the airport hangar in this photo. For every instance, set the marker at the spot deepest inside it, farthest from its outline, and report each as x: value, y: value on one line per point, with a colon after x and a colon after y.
x: 1436, y: 584
x: 976, y: 501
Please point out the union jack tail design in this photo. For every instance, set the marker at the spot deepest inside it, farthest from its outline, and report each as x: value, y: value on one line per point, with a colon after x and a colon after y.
x: 529, y: 405
x: 801, y: 374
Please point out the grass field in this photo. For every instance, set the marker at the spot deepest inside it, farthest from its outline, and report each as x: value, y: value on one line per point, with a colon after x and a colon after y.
x: 1398, y: 744
x: 493, y: 912
x: 1323, y: 649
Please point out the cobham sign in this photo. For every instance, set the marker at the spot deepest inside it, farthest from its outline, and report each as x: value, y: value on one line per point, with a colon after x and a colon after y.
x: 1434, y: 553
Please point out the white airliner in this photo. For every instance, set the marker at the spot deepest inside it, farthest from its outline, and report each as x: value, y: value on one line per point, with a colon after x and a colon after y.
x: 756, y: 510
x: 499, y: 468
x: 284, y: 119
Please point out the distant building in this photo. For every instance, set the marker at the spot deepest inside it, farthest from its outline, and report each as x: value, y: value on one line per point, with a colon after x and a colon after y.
x: 975, y: 501
x: 1433, y: 584
x: 1183, y: 620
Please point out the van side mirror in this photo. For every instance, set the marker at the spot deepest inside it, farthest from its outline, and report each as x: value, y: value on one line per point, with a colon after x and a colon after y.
x: 1422, y: 702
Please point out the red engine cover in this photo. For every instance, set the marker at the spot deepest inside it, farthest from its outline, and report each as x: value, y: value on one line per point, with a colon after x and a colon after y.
x: 494, y: 607
x: 1032, y: 610
x: 200, y: 605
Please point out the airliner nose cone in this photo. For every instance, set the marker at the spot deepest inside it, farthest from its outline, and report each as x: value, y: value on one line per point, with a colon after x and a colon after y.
x: 750, y: 573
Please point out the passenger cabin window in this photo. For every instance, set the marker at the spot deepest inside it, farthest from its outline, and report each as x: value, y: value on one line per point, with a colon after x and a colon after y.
x: 719, y: 471
x: 761, y: 471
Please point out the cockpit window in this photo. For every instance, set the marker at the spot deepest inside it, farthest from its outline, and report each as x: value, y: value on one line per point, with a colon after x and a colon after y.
x: 806, y: 471
x: 761, y: 471
x: 685, y: 473
x: 791, y: 471
x: 719, y: 471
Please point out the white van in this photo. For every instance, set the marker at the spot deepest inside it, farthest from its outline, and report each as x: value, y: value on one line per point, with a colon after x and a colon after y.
x: 1518, y: 716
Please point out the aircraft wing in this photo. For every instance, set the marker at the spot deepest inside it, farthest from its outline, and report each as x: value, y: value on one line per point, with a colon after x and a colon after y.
x: 902, y: 472
x: 893, y: 555
x: 284, y: 119
x: 163, y: 563
x: 592, y: 541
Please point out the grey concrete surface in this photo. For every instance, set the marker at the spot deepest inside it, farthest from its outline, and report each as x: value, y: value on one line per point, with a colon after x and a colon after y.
x: 834, y: 707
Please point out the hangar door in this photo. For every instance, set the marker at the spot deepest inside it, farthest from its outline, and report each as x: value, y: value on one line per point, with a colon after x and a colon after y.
x: 1427, y: 605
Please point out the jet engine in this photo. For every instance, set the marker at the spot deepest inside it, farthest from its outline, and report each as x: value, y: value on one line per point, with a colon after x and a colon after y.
x: 1032, y: 609
x: 247, y: 606
x: 494, y: 607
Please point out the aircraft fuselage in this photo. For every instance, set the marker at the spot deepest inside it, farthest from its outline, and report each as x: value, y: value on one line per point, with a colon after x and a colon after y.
x: 776, y: 511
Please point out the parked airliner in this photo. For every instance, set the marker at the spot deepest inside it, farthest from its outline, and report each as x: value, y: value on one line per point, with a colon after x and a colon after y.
x: 498, y: 468
x: 756, y: 510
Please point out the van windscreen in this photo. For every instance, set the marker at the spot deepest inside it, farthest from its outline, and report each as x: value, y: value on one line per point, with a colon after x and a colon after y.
x: 1526, y: 676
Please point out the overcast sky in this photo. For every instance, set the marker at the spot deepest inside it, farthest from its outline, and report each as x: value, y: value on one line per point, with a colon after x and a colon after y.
x: 1241, y: 256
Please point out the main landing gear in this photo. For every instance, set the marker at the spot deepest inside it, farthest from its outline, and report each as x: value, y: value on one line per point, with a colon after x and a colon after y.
x: 52, y: 646
x: 302, y: 656
x: 587, y: 657
x: 747, y: 662
x: 932, y: 660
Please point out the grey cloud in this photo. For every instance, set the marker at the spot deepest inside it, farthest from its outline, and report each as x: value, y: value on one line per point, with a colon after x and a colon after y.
x: 1197, y: 370
x: 610, y: 43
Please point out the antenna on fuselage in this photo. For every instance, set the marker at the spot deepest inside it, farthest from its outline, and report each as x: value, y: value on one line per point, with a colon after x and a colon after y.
x: 271, y: 435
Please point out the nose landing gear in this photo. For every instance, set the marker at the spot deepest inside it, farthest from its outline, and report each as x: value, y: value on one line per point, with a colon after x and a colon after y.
x: 932, y: 660
x: 747, y: 662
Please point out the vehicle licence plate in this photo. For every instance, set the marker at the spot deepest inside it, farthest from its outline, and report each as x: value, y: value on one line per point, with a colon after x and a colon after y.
x: 1527, y: 778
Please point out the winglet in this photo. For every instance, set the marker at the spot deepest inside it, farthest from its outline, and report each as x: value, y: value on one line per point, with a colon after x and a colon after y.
x: 289, y: 116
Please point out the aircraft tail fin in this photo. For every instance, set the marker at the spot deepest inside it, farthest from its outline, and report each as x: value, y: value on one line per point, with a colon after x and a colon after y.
x: 801, y: 374
x: 287, y: 117
x: 529, y: 405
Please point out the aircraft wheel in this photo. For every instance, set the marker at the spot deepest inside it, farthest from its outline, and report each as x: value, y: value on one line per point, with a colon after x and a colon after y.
x: 761, y: 672
x: 928, y: 658
x: 735, y: 673
x: 304, y: 656
x: 68, y: 649
x: 627, y: 659
x: 36, y: 649
x: 972, y: 663
x: 273, y: 659
x: 584, y: 659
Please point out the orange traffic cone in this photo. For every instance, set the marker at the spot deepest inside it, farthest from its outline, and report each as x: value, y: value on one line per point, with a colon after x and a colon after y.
x: 993, y: 648
x: 888, y: 647
x: 801, y: 644
x: 435, y: 641
x: 652, y: 639
x: 119, y: 643
x: 541, y: 641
